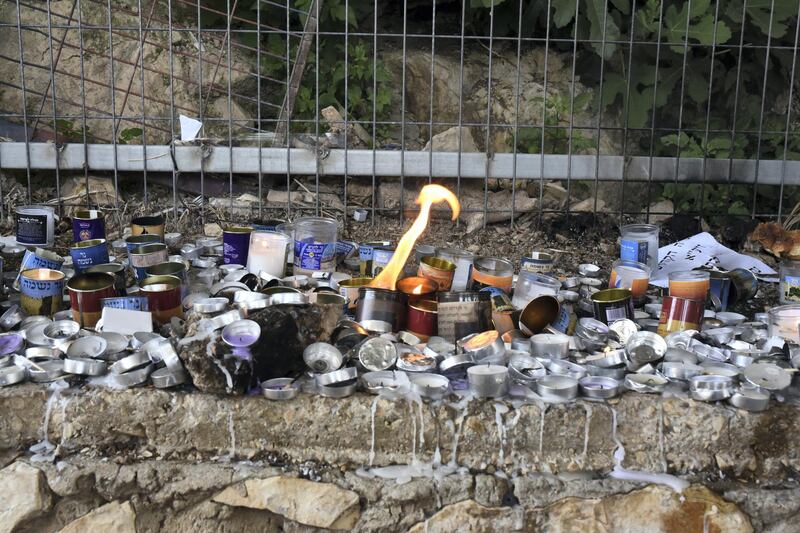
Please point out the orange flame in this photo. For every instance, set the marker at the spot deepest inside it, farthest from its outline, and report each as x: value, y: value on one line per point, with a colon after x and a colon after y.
x: 429, y: 195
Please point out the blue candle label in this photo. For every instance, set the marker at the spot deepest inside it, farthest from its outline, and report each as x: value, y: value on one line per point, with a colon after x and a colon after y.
x: 41, y: 288
x: 135, y: 303
x: 365, y: 252
x: 791, y: 288
x: 345, y: 249
x: 633, y: 251
x: 314, y: 256
x: 83, y: 258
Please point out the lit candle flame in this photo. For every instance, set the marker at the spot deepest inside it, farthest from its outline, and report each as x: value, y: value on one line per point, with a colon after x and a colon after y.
x: 429, y: 195
x: 417, y: 289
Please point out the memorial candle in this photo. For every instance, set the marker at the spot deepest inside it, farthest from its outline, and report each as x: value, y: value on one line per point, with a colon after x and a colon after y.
x: 267, y: 253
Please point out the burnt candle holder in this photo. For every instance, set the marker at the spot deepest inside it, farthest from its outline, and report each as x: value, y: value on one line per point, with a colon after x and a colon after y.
x: 381, y: 310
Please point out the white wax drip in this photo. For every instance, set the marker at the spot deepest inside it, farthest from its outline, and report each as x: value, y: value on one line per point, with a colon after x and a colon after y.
x: 661, y: 450
x: 543, y: 409
x: 232, y: 435
x: 44, y: 450
x: 588, y: 408
x: 675, y: 483
x: 499, y: 410
x: 373, y: 409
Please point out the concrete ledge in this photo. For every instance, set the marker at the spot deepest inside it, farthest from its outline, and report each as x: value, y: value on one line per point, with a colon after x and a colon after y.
x: 690, y: 439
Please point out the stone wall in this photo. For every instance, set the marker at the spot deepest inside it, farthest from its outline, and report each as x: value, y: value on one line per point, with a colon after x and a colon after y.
x: 146, y: 460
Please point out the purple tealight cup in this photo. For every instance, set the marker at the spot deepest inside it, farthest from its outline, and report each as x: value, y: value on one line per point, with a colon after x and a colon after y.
x: 241, y: 333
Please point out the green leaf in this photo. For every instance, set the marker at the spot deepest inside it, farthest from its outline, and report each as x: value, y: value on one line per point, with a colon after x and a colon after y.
x: 564, y: 12
x: 782, y: 12
x: 598, y: 21
x: 701, y: 26
x: 623, y: 5
x: 697, y: 87
x: 128, y: 134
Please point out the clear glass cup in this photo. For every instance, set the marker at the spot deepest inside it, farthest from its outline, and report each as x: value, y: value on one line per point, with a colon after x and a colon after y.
x: 631, y: 275
x: 315, y: 245
x: 531, y: 285
x: 784, y: 321
x: 790, y: 281
x: 690, y: 284
x: 639, y: 242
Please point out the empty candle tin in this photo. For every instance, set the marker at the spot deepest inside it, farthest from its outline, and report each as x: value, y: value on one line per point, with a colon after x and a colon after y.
x: 539, y: 262
x: 153, y: 224
x: 322, y: 357
x: 115, y: 269
x: 377, y: 353
x: 381, y: 310
x: 86, y: 292
x: 349, y: 289
x: 88, y: 224
x: 163, y: 297
x: 145, y: 256
x: 88, y: 253
x: 35, y: 225
x: 611, y: 305
x: 463, y: 313
x: 488, y: 381
x: 492, y: 272
x: 538, y: 314
x: 441, y: 271
x: 422, y: 319
x: 679, y: 314
x: 462, y: 278
x: 558, y: 388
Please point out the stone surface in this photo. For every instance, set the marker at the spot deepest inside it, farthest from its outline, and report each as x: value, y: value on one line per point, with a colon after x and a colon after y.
x: 472, y: 517
x: 653, y: 509
x: 315, y: 504
x: 115, y: 516
x: 448, y: 141
x: 24, y: 495
x: 156, y: 86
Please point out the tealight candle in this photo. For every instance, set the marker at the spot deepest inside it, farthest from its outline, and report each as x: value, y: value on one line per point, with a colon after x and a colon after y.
x: 267, y: 253
x: 550, y: 345
x: 488, y: 381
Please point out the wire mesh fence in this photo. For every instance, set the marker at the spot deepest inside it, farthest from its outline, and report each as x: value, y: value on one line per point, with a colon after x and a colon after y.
x: 627, y: 107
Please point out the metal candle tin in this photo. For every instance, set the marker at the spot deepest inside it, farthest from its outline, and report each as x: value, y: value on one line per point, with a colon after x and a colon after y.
x: 550, y: 345
x: 439, y: 270
x: 86, y: 292
x: 463, y: 313
x: 365, y: 255
x: 422, y: 318
x: 679, y: 314
x: 557, y: 388
x: 380, y: 258
x: 235, y: 245
x: 539, y: 262
x: 612, y: 304
x: 115, y: 269
x: 241, y: 333
x: 35, y: 225
x: 280, y: 388
x: 349, y: 289
x: 463, y: 261
x: 538, y: 314
x: 417, y: 288
x: 486, y: 346
x: 88, y: 224
x: 39, y: 258
x: 135, y: 241
x: 380, y: 309
x: 153, y: 224
x: 163, y: 297
x: 145, y: 256
x: 42, y: 291
x: 135, y: 303
x: 88, y: 253
x: 171, y: 268
x: 377, y: 353
x: 492, y: 272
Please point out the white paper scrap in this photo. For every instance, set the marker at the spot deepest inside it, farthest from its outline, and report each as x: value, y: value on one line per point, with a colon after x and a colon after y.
x: 189, y: 128
x: 126, y: 321
x: 703, y: 251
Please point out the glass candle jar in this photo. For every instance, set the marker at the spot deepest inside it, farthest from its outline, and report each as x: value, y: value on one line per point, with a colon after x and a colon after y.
x: 267, y: 253
x: 631, y: 275
x: 640, y: 243
x: 531, y: 285
x: 315, y: 245
x: 790, y: 281
x: 690, y: 284
x: 784, y: 321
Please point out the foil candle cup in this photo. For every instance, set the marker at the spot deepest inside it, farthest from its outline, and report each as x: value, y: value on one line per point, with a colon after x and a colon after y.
x: 267, y: 253
x: 145, y: 256
x: 163, y: 297
x: 631, y: 275
x: 488, y: 381
x: 115, y: 269
x: 690, y: 284
x: 381, y: 310
x: 550, y: 345
x: 42, y: 291
x: 236, y: 245
x: 153, y: 224
x: 88, y: 224
x: 418, y: 288
x: 85, y: 294
x: 462, y: 278
x: 438, y: 270
x: 492, y: 272
x: 35, y: 225
x: 88, y: 253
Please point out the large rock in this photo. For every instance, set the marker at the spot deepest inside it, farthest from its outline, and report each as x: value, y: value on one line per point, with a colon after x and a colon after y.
x: 157, y: 86
x: 25, y: 495
x: 472, y: 517
x: 448, y: 141
x: 113, y: 517
x: 315, y: 504
x: 652, y: 509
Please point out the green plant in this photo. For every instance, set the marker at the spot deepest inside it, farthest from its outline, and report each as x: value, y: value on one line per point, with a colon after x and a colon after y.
x: 557, y: 133
x: 129, y: 134
x: 67, y: 129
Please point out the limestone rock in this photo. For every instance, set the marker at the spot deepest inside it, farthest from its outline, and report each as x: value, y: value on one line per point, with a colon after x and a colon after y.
x: 448, y: 141
x: 314, y: 504
x: 212, y: 230
x: 100, y: 190
x: 498, y: 205
x: 471, y: 517
x: 654, y: 508
x: 25, y: 495
x: 114, y: 516
x: 664, y: 206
